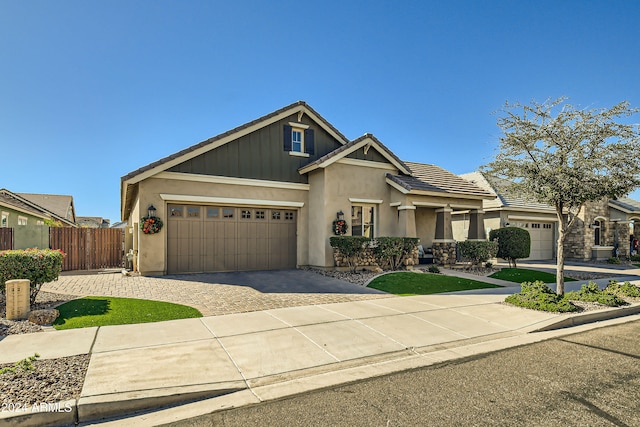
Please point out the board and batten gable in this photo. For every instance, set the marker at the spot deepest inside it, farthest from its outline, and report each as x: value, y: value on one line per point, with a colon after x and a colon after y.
x: 261, y: 155
x: 371, y: 155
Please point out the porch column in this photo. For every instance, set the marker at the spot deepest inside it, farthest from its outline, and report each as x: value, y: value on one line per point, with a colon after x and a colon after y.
x: 476, y: 225
x: 444, y: 247
x: 407, y: 221
x: 444, y: 231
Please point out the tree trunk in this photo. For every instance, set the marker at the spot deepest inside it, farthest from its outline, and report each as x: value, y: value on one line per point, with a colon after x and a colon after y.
x: 561, y: 255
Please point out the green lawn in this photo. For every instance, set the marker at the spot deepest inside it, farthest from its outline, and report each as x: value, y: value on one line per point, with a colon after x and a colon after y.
x: 103, y: 311
x: 407, y: 284
x: 637, y: 265
x: 519, y: 275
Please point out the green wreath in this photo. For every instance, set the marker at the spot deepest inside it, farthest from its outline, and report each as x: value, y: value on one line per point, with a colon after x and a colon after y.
x: 150, y: 224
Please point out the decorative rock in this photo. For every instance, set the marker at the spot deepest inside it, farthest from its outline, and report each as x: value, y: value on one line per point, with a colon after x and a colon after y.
x: 43, y: 317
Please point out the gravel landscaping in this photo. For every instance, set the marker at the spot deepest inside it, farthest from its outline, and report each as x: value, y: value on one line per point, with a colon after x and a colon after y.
x: 44, y: 300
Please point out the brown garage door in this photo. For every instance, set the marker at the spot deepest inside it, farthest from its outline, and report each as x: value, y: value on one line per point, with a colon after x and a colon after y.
x: 227, y: 238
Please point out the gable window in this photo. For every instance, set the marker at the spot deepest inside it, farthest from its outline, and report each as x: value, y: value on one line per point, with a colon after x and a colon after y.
x: 362, y: 220
x: 298, y: 139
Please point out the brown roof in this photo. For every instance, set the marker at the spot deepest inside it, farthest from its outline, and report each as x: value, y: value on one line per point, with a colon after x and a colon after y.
x: 346, y: 147
x: 56, y: 204
x: 434, y: 178
x: 8, y: 198
x: 231, y: 132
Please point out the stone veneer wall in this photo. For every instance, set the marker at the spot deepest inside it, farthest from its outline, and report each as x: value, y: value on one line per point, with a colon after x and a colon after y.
x: 368, y: 259
x: 581, y: 239
x: 444, y: 253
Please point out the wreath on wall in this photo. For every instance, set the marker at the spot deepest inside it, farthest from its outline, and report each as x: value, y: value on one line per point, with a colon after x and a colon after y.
x: 150, y: 224
x: 340, y: 227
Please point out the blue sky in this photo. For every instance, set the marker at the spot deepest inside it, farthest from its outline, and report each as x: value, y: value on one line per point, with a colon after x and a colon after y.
x: 90, y: 91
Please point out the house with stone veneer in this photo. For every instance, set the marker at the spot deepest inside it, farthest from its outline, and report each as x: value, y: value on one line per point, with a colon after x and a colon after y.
x: 264, y: 195
x: 600, y: 228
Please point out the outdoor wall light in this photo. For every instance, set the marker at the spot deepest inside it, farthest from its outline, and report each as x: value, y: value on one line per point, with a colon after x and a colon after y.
x: 152, y: 211
x: 340, y: 215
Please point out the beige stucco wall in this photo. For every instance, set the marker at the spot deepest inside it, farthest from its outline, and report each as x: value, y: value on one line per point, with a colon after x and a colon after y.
x: 152, y: 249
x: 340, y: 182
x: 426, y: 226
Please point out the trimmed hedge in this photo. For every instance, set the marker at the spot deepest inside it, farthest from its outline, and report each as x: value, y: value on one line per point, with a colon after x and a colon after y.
x: 391, y: 252
x: 37, y: 265
x: 513, y: 243
x: 351, y: 247
x: 477, y: 251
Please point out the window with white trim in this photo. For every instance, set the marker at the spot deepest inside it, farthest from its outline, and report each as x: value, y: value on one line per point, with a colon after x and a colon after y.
x: 22, y: 220
x: 4, y: 222
x: 298, y: 139
x: 363, y: 220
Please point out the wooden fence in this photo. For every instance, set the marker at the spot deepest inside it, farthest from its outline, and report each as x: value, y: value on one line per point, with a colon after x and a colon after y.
x: 89, y: 248
x: 6, y: 238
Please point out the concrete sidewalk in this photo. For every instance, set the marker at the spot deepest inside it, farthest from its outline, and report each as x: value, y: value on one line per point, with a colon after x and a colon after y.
x: 251, y: 357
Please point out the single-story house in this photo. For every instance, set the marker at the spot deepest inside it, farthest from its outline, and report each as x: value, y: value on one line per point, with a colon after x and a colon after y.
x: 600, y: 228
x: 28, y: 219
x: 265, y: 194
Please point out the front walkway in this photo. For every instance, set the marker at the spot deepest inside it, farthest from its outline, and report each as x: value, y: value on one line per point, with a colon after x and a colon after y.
x: 220, y: 293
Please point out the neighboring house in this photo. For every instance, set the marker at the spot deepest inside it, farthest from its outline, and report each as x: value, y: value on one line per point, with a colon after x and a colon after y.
x: 119, y: 224
x: 27, y: 219
x: 265, y: 194
x: 92, y: 222
x: 599, y: 228
x: 60, y: 206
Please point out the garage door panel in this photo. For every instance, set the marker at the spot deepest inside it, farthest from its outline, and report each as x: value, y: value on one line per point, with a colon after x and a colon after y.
x: 210, y: 238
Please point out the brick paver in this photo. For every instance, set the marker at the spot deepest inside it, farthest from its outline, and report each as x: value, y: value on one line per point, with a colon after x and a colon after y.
x: 210, y: 298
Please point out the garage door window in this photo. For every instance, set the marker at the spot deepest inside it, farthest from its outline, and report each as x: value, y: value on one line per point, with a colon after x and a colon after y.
x: 193, y: 212
x: 275, y: 215
x: 227, y: 213
x: 260, y: 215
x: 175, y: 211
x: 245, y: 214
x: 213, y: 213
x: 288, y: 216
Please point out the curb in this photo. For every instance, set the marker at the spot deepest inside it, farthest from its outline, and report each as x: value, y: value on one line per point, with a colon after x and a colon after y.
x: 590, y: 317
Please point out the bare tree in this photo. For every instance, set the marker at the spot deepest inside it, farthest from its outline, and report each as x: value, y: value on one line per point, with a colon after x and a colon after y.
x: 555, y: 153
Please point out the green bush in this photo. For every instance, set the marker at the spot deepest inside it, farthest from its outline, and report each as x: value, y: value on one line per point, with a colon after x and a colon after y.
x: 538, y: 296
x: 351, y: 247
x: 590, y: 292
x: 625, y: 289
x: 613, y: 260
x: 434, y: 269
x: 477, y: 251
x: 513, y: 243
x: 634, y: 258
x: 37, y: 265
x: 390, y: 252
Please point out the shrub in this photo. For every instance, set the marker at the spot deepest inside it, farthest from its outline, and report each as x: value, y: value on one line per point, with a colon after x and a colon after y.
x: 613, y: 260
x: 625, y: 289
x: 477, y: 251
x: 634, y: 258
x: 488, y: 264
x: 390, y: 252
x: 38, y: 265
x: 538, y: 296
x: 590, y: 292
x: 434, y: 269
x: 513, y: 243
x: 351, y: 247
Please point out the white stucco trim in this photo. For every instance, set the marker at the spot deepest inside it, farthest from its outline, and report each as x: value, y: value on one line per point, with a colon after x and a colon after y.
x: 394, y: 204
x: 229, y: 201
x: 453, y: 204
x: 231, y: 181
x: 366, y: 164
x: 298, y: 125
x: 531, y: 218
x: 406, y: 208
x: 298, y: 154
x: 368, y: 201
